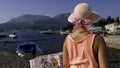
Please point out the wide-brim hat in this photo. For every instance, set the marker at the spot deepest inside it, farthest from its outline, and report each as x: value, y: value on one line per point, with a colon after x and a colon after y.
x: 84, y: 11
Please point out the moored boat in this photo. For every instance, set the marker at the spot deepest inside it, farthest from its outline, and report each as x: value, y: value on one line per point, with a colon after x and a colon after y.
x: 47, y: 32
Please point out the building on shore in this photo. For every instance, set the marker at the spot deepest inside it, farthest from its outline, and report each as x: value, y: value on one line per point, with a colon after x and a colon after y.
x: 113, y: 27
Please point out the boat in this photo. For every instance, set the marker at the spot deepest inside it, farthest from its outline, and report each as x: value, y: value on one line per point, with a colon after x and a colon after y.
x: 26, y: 47
x: 64, y: 32
x: 12, y: 36
x: 47, y: 32
x: 2, y: 36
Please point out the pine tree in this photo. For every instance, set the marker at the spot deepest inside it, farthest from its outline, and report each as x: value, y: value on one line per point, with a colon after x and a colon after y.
x: 109, y: 20
x: 117, y: 19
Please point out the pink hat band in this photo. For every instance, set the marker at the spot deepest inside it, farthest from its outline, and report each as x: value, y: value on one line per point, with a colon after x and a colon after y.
x: 80, y: 21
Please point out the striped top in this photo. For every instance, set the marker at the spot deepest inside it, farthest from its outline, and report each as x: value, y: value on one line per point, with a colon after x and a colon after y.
x: 80, y: 52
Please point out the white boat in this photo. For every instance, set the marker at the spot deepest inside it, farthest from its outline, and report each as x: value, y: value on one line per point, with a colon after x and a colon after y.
x: 12, y: 36
x: 64, y: 32
x: 47, y: 32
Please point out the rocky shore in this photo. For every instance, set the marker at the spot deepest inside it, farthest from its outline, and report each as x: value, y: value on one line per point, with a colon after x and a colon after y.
x: 8, y: 60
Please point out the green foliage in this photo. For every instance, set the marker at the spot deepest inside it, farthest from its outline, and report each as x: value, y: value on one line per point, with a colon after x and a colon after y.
x: 102, y: 22
x: 109, y: 20
x: 103, y: 27
x: 117, y: 19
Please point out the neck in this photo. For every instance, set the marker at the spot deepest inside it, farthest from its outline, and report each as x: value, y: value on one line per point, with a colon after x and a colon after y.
x: 82, y: 29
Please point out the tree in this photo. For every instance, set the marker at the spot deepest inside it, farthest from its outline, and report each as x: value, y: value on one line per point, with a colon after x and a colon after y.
x: 112, y: 20
x: 109, y: 20
x: 117, y: 19
x: 101, y: 22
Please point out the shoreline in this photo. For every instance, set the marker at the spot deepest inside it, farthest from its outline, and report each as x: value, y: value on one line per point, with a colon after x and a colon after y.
x: 113, y: 41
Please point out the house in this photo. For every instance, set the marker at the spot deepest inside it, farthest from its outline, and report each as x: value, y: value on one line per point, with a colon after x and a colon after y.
x: 113, y: 27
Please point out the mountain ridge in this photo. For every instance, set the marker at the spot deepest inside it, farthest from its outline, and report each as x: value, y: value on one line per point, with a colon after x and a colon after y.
x: 36, y: 22
x: 27, y: 18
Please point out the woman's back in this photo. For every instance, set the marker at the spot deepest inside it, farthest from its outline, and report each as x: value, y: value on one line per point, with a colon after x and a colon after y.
x: 80, y: 52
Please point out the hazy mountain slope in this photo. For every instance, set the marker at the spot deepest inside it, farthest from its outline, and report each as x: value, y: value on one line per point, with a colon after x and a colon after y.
x: 36, y: 22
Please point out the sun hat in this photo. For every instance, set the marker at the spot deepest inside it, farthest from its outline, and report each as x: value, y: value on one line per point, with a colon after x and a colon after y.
x: 83, y: 12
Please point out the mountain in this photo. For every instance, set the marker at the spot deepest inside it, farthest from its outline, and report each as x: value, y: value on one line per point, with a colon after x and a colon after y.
x: 27, y: 18
x: 36, y: 22
x: 54, y: 23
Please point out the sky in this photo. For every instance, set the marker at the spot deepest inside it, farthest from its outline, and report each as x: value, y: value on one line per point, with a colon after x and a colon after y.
x: 13, y: 8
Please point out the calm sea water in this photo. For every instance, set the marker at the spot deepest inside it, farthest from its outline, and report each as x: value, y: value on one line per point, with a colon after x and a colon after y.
x: 49, y: 43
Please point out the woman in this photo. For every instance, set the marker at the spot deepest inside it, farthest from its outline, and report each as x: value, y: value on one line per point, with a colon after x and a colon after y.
x: 81, y: 48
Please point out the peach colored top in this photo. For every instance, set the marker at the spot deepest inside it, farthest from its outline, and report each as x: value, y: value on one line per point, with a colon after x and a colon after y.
x: 80, y: 52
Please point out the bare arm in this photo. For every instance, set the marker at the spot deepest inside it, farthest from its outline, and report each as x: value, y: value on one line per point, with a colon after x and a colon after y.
x: 102, y: 53
x: 65, y: 56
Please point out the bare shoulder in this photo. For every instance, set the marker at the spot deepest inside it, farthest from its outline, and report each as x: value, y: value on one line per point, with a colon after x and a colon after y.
x: 100, y: 40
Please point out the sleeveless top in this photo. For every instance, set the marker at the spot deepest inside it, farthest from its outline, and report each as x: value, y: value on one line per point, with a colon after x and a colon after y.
x: 80, y: 53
